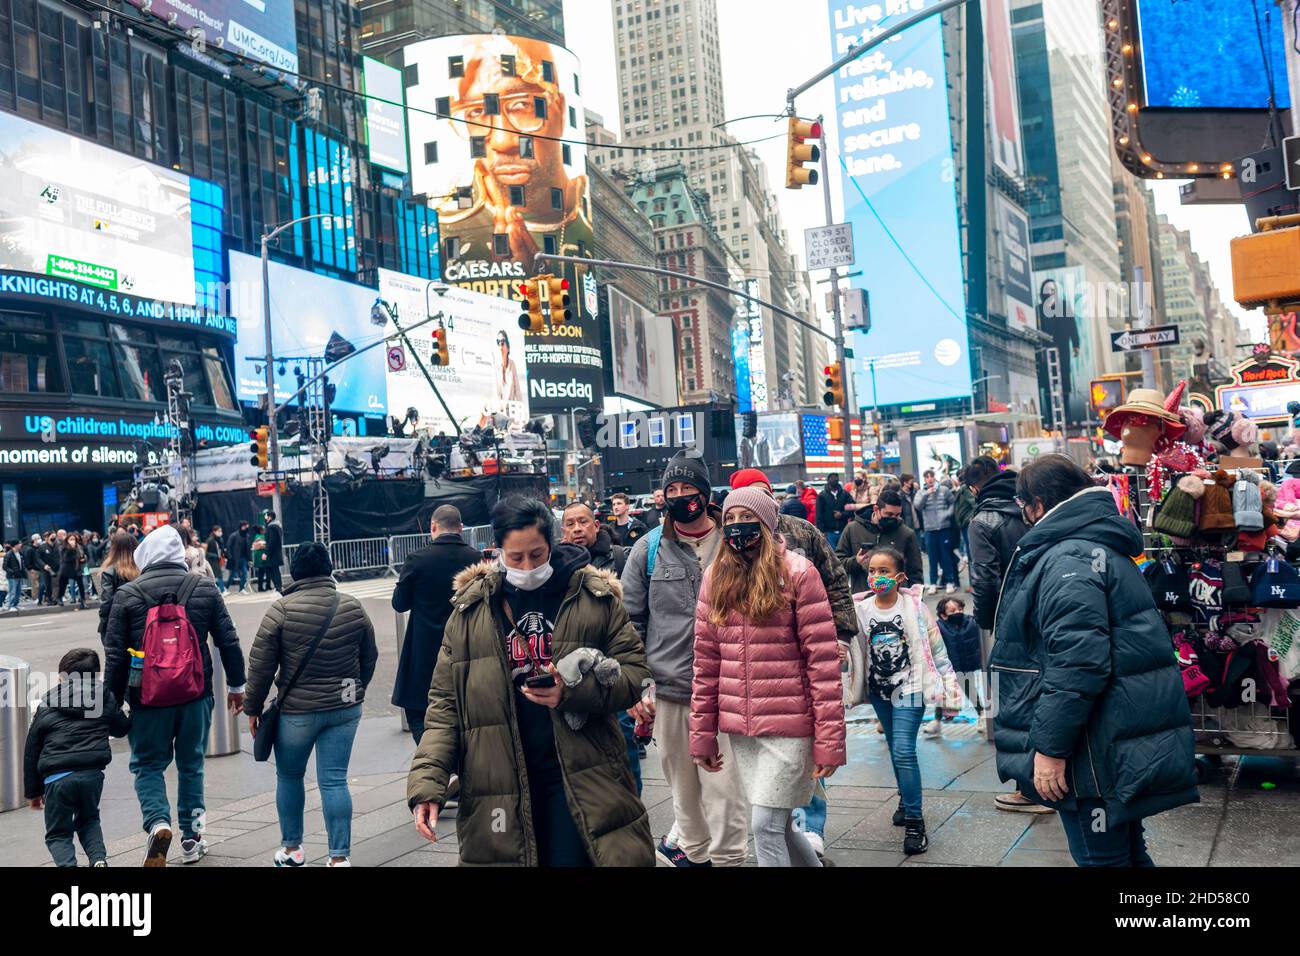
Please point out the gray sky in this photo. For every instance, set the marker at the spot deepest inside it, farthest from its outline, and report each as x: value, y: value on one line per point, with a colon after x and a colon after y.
x: 767, y: 48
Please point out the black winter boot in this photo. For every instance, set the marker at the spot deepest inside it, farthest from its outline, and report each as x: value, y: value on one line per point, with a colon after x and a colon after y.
x: 899, y: 815
x: 914, y: 839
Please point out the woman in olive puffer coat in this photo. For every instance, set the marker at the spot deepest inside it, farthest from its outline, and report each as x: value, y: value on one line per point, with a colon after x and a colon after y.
x: 323, y: 709
x: 1092, y: 718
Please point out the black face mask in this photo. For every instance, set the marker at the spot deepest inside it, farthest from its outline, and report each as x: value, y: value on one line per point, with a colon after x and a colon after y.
x: 686, y: 508
x: 888, y: 524
x: 743, y: 535
x: 956, y: 618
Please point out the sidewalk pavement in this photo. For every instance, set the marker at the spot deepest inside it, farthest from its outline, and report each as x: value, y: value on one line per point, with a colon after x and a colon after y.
x: 1245, y: 825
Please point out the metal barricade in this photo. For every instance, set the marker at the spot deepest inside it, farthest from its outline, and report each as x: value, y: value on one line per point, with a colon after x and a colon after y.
x: 14, y: 717
x: 401, y: 546
x: 223, y: 737
x: 479, y: 536
x: 360, y: 554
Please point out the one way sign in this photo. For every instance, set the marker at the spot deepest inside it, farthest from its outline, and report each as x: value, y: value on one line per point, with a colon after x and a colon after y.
x: 1133, y: 339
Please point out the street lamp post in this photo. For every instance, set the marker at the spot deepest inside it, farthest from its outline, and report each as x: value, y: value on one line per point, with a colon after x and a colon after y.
x: 273, y: 439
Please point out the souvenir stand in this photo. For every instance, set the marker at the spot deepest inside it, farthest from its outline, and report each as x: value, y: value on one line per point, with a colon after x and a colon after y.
x: 1222, y: 531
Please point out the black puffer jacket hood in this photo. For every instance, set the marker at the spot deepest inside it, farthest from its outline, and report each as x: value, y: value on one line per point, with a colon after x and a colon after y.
x: 999, y: 489
x: 70, y: 731
x: 1090, y: 515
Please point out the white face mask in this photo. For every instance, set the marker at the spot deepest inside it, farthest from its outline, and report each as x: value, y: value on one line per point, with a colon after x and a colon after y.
x: 528, y: 580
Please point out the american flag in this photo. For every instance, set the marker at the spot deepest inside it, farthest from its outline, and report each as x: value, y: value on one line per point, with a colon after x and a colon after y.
x: 821, y: 455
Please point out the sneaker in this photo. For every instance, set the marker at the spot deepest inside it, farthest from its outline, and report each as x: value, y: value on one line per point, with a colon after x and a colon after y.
x: 932, y: 589
x: 1015, y: 803
x: 981, y: 725
x: 963, y: 563
x: 99, y: 863
x: 932, y: 729
x: 950, y: 589
x: 676, y: 856
x: 899, y: 815
x: 160, y: 840
x: 193, y: 849
x: 914, y: 839
x: 816, y: 842
x: 285, y: 857
x: 343, y: 862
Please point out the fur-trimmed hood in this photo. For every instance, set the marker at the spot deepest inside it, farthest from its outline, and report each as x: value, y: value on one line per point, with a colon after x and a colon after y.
x: 483, y: 579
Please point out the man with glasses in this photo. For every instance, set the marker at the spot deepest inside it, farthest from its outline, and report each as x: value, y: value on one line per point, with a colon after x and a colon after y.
x: 508, y: 104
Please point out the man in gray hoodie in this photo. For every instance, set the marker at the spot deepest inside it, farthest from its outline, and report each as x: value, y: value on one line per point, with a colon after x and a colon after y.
x: 935, y: 504
x: 661, y: 583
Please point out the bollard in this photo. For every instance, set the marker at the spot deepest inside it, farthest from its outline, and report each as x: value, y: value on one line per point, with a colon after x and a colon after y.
x: 14, y: 716
x: 223, y: 737
x: 400, y: 618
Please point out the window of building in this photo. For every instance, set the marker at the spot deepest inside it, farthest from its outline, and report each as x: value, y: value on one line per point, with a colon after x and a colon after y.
x: 517, y: 196
x: 525, y: 147
x: 137, y: 364
x: 29, y: 361
x: 477, y: 147
x: 442, y: 106
x: 549, y: 245
x: 491, y: 104
x: 557, y: 198
x: 222, y: 394
x: 430, y: 153
x: 455, y: 66
x: 658, y: 439
x: 539, y: 107
x: 627, y: 437
x: 548, y: 71
x: 450, y: 247
x: 567, y: 153
x: 411, y: 74
x: 500, y: 244
x: 686, y: 429
x: 507, y: 64
x: 573, y: 117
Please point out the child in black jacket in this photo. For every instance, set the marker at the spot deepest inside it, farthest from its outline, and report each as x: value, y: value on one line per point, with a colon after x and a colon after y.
x: 67, y: 751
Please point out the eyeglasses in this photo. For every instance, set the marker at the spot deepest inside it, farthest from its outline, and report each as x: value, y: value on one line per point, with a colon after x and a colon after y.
x: 518, y: 113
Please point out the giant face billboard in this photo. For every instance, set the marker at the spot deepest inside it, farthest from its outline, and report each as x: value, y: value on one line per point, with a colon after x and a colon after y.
x: 73, y: 210
x: 645, y: 361
x: 309, y: 312
x: 486, y: 374
x: 259, y: 29
x: 497, y: 144
x: 894, y: 140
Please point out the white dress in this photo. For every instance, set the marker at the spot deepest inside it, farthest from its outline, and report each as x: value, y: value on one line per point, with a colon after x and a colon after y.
x: 775, y: 771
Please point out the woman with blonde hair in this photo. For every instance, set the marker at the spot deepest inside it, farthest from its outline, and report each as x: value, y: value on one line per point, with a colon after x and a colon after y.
x: 767, y: 673
x: 118, y: 568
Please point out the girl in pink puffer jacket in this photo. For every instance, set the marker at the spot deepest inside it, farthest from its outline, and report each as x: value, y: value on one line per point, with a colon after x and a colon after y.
x: 767, y: 673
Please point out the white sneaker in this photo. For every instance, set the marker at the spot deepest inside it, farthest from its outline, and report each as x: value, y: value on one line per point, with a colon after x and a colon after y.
x: 817, y: 843
x: 931, y: 588
x: 343, y: 862
x: 950, y: 589
x: 160, y: 840
x: 933, y: 729
x: 285, y: 858
x: 981, y: 725
x: 962, y: 563
x: 193, y: 849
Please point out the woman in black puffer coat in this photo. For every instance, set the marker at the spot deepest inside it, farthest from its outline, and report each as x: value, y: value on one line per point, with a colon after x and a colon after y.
x: 323, y: 709
x: 1092, y: 718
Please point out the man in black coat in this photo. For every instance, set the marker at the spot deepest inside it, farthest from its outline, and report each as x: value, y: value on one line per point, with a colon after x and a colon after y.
x: 158, y: 733
x: 274, y: 550
x: 424, y: 589
x: 833, y: 509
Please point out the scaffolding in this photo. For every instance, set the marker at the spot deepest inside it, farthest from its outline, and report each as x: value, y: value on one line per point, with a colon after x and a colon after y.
x: 1055, y: 393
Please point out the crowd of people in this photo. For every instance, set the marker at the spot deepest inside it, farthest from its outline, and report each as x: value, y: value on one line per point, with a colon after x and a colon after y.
x: 733, y: 627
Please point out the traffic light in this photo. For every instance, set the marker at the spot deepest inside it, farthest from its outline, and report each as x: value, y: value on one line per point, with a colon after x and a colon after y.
x: 834, y: 394
x: 835, y: 429
x: 557, y: 294
x: 799, y: 151
x: 439, y: 356
x: 531, y: 319
x: 257, y: 446
x: 1105, y: 394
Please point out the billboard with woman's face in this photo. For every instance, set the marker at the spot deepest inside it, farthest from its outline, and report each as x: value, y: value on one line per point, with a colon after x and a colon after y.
x: 497, y: 143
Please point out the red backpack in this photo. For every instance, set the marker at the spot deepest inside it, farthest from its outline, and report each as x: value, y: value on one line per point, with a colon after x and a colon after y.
x: 173, y: 657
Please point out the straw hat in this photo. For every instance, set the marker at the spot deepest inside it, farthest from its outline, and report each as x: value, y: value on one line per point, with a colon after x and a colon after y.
x: 1149, y: 402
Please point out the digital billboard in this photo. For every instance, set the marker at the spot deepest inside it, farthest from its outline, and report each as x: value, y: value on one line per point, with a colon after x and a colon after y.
x: 70, y: 209
x: 308, y: 313
x: 774, y: 440
x: 644, y: 355
x: 1206, y: 55
x: 496, y: 135
x: 1003, y: 98
x: 385, y: 114
x: 1017, y: 270
x: 1062, y: 309
x: 260, y: 29
x: 487, y: 374
x: 895, y: 144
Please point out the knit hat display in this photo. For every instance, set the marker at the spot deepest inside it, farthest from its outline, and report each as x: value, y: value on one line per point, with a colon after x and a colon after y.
x: 1177, y: 514
x: 1247, y: 503
x: 690, y: 468
x: 1275, y: 584
x: 1207, y: 591
x: 1216, y: 505
x: 1236, y: 584
x: 1170, y: 585
x: 756, y: 500
x: 749, y: 476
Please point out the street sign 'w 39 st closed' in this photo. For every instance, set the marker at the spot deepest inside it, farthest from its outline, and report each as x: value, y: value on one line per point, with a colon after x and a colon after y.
x: 829, y: 247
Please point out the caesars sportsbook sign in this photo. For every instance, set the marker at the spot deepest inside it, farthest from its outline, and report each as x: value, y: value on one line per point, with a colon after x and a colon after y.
x: 496, y: 142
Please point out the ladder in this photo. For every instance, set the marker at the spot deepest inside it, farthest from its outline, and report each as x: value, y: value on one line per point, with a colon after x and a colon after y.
x: 317, y: 437
x: 1055, y: 395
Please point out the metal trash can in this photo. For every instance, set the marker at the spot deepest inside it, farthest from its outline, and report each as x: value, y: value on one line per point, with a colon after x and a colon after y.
x: 400, y: 619
x: 15, y: 714
x: 223, y: 737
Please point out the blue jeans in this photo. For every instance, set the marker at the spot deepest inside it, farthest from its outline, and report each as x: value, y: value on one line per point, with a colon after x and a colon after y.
x: 938, y: 548
x: 812, y: 817
x: 330, y: 733
x: 157, y: 734
x: 1093, y: 842
x: 633, y: 753
x: 901, y: 724
x: 15, y: 594
x: 238, y: 571
x: 833, y: 538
